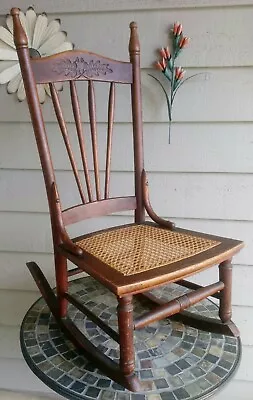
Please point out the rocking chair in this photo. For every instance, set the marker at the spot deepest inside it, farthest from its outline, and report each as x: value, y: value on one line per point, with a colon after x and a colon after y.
x: 131, y: 259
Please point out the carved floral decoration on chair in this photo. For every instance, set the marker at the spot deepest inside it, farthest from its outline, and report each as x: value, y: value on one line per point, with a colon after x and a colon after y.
x: 44, y: 39
x: 173, y: 73
x: 80, y: 67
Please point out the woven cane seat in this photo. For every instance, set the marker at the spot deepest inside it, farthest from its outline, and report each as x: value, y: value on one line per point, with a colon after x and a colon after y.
x: 138, y: 248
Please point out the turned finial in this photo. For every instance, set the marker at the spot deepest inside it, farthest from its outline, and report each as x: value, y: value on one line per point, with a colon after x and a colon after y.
x: 20, y: 38
x: 134, y: 44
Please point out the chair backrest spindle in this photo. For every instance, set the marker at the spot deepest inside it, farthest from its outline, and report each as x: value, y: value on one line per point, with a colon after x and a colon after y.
x: 93, y: 130
x: 80, y: 135
x: 64, y: 131
x: 111, y: 110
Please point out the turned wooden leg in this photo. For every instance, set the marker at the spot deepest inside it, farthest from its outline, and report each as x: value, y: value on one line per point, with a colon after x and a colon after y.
x: 126, y: 328
x: 61, y: 273
x: 225, y: 275
x: 126, y: 344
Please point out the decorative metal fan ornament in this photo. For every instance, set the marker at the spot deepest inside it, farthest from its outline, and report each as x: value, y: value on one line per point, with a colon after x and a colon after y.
x: 44, y: 39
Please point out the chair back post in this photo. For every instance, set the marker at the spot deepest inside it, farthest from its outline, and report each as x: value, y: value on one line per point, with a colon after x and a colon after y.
x: 21, y: 43
x: 134, y: 53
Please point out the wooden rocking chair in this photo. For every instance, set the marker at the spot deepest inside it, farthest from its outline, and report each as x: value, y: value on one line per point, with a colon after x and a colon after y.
x: 129, y: 260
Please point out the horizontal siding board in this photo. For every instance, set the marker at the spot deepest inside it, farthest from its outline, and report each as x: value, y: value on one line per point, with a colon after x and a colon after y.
x: 213, y: 42
x: 15, y: 275
x: 30, y: 232
x: 214, y: 39
x: 9, y: 342
x: 120, y: 5
x: 243, y: 317
x: 242, y: 278
x: 234, y: 229
x: 245, y: 371
x: 195, y: 147
x: 13, y: 306
x: 217, y: 95
x: 16, y: 375
x: 179, y: 195
x: 236, y: 390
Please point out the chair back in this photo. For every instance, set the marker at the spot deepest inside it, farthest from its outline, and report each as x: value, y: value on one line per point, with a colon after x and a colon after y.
x: 70, y: 67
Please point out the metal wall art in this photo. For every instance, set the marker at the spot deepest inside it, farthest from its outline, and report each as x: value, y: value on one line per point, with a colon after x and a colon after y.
x: 44, y: 39
x: 167, y: 65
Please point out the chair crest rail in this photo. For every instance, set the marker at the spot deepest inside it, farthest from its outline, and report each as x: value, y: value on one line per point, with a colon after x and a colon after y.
x: 80, y: 65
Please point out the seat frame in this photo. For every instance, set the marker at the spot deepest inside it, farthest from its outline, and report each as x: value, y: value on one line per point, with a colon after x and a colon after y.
x: 48, y: 70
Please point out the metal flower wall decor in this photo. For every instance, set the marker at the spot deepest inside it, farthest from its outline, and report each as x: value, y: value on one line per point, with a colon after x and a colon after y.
x: 173, y: 73
x: 44, y: 39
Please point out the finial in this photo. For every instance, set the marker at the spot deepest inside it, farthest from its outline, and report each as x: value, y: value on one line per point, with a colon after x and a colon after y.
x: 15, y: 11
x: 133, y: 25
x: 134, y: 45
x: 20, y: 38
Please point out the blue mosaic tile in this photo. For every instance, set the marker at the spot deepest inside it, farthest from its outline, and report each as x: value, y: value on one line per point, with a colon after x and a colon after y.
x: 78, y: 387
x: 181, y: 394
x: 65, y: 380
x: 93, y: 392
x: 167, y: 396
x: 180, y: 362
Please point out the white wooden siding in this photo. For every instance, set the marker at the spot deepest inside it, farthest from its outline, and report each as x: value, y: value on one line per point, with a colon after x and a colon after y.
x: 204, y: 176
x: 121, y: 5
x: 210, y: 91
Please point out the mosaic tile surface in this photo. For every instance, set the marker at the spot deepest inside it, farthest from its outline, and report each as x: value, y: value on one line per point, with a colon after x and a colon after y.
x: 181, y: 362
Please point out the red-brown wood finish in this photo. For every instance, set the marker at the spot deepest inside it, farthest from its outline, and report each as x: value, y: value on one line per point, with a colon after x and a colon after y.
x: 111, y: 110
x: 134, y: 52
x: 93, y: 129
x: 55, y: 68
x: 126, y: 327
x: 64, y: 131
x: 79, y: 129
x: 98, y: 208
x: 78, y: 65
x: 177, y: 305
x: 225, y: 272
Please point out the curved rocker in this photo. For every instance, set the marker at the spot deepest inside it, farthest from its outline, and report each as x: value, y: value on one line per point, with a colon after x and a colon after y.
x: 104, y: 363
x: 198, y: 321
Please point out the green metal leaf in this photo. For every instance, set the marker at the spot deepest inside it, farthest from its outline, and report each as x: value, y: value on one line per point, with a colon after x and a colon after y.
x: 166, y: 95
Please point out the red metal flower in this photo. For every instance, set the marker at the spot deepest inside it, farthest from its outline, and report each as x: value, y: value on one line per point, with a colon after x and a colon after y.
x: 159, y: 66
x: 164, y: 64
x: 183, y: 42
x: 177, y: 29
x: 179, y: 73
x: 165, y: 53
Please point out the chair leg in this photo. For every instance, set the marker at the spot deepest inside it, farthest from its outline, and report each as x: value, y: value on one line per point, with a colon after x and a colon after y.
x: 127, y: 353
x: 225, y: 275
x: 126, y: 329
x: 61, y: 273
